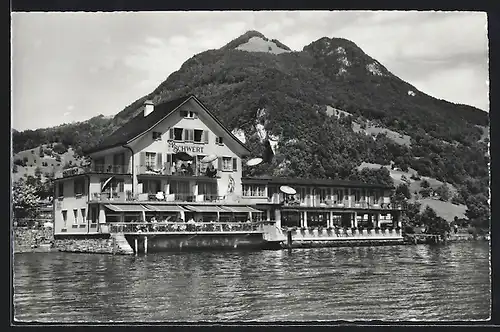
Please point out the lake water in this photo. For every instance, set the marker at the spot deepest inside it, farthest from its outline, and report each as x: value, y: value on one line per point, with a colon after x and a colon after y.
x: 444, y: 282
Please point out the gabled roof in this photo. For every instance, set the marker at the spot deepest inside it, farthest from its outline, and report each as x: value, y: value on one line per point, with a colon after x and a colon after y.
x: 140, y: 124
x: 309, y: 182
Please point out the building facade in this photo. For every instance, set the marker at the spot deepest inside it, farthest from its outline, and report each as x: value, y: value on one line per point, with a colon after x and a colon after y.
x: 152, y: 167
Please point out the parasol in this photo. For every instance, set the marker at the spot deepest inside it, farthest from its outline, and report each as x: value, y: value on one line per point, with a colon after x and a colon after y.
x: 254, y: 161
x: 287, y: 190
x: 184, y: 156
x: 208, y: 159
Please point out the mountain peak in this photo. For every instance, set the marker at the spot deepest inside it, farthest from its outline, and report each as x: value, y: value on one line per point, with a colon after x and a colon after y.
x: 254, y: 41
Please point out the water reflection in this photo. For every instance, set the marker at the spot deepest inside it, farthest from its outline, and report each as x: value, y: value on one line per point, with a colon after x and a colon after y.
x: 448, y: 282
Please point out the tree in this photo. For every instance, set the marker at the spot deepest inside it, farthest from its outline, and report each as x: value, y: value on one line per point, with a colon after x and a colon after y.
x: 40, y: 152
x: 444, y: 192
x: 425, y: 184
x: 38, y: 172
x: 433, y: 223
x: 25, y: 199
x: 403, y: 191
x: 478, y: 210
x: 457, y: 199
x: 425, y: 192
x: 59, y: 148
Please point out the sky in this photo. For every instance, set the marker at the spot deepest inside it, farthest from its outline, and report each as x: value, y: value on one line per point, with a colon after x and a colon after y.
x: 70, y: 67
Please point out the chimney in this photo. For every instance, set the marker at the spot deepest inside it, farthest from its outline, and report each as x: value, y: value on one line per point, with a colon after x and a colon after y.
x: 148, y: 107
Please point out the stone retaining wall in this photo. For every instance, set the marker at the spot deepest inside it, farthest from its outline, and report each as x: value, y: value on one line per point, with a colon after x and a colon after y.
x: 33, y: 240
x: 102, y: 244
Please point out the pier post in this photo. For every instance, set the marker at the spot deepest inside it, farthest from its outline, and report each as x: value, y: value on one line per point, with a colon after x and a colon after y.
x: 145, y: 244
x: 136, y: 247
x: 289, y: 239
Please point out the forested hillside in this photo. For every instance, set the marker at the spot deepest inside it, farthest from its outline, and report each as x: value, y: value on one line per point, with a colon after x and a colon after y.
x: 287, y: 96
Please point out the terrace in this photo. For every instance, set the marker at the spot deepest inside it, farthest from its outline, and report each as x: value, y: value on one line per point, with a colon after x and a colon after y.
x: 185, y: 228
x: 96, y: 169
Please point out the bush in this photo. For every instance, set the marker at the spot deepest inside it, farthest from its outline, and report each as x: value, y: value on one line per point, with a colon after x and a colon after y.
x: 425, y: 184
x: 457, y: 199
x: 59, y: 148
x: 425, y: 192
x: 444, y: 192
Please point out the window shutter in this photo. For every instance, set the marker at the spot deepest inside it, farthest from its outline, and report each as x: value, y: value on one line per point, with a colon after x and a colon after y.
x: 159, y: 163
x: 171, y: 133
x: 142, y: 158
x: 235, y: 164
x: 169, y: 158
x: 219, y: 166
x: 205, y: 137
x: 186, y: 134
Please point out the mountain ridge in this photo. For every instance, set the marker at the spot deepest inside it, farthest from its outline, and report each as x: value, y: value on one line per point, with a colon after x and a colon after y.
x: 293, y: 90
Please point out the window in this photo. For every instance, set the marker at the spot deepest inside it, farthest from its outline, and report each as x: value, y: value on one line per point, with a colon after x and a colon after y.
x: 94, y: 214
x: 235, y: 164
x: 151, y: 186
x: 188, y: 135
x: 151, y: 159
x: 65, y: 217
x: 227, y: 163
x: 156, y: 136
x: 188, y: 114
x: 177, y: 134
x: 79, y: 187
x: 198, y: 135
x: 219, y: 140
x: 208, y: 189
x: 61, y: 189
x: 357, y: 195
x: 253, y: 190
x: 84, y: 216
x: 75, y: 214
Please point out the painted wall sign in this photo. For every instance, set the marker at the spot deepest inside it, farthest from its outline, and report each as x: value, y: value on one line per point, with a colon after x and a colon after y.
x: 185, y: 148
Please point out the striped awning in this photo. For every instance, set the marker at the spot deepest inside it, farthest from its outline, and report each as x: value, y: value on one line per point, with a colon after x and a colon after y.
x: 126, y: 207
x: 241, y: 209
x: 205, y: 208
x: 165, y: 208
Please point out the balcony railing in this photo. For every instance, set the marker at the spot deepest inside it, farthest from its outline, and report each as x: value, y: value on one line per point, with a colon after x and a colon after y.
x: 318, y: 233
x: 168, y: 170
x: 97, y: 168
x: 127, y: 196
x: 176, y: 227
x: 115, y: 196
x: 316, y: 201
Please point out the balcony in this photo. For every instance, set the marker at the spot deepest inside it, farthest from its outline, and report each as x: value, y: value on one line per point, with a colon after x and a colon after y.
x: 147, y: 198
x: 167, y: 170
x: 316, y: 201
x: 96, y: 168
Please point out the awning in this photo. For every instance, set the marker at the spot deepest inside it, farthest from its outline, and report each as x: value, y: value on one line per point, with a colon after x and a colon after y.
x: 126, y: 207
x: 205, y: 208
x: 241, y: 209
x: 165, y: 208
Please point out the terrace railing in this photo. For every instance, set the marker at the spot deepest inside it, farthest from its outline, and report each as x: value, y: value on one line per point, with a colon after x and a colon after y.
x: 96, y: 168
x: 182, y: 227
x: 167, y: 169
